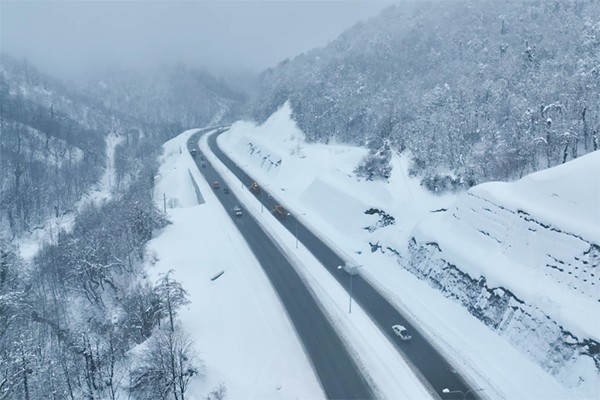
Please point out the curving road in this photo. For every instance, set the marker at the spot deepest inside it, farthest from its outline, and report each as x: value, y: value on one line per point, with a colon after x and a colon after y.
x: 338, y: 374
x: 432, y: 367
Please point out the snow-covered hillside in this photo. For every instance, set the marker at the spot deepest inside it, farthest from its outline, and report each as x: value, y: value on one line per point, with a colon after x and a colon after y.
x: 523, y: 257
x: 390, y: 228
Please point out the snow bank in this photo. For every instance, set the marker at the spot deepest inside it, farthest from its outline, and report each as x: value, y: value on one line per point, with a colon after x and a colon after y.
x: 174, y: 175
x: 538, y: 237
x: 524, y: 258
x: 566, y: 196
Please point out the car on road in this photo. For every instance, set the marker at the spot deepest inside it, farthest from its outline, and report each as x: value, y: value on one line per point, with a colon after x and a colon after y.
x: 194, y: 152
x: 226, y: 190
x: 215, y: 185
x: 203, y: 165
x: 401, y: 332
x: 237, y: 211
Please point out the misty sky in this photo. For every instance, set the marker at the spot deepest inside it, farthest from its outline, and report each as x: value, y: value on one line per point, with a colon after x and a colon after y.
x: 76, y: 38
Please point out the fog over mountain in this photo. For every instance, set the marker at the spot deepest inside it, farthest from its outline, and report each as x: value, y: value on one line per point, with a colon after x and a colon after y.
x: 76, y: 38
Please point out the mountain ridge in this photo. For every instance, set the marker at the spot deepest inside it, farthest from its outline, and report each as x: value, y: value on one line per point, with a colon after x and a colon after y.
x: 477, y: 91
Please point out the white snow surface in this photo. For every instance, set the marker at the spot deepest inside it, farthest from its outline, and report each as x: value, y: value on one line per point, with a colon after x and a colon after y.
x: 316, y: 182
x: 566, y: 196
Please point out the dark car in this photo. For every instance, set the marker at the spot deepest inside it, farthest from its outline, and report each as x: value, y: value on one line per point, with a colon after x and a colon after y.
x: 226, y: 190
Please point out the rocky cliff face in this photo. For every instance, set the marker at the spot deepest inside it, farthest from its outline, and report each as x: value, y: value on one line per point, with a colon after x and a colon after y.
x: 521, y: 273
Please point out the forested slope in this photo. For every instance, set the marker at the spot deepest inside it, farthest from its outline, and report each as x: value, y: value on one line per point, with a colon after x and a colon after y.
x: 178, y: 97
x: 71, y: 316
x: 52, y: 136
x: 475, y: 90
x: 51, y: 146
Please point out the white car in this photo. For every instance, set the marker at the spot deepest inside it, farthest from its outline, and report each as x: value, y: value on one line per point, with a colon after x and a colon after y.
x: 401, y: 332
x: 237, y: 211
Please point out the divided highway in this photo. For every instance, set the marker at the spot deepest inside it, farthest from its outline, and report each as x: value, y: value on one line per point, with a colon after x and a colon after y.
x: 339, y: 375
x: 432, y: 366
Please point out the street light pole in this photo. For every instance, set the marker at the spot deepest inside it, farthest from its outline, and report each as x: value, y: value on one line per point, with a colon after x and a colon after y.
x: 352, y: 270
x: 296, y: 231
x: 240, y: 167
x: 296, y: 216
x: 350, y: 304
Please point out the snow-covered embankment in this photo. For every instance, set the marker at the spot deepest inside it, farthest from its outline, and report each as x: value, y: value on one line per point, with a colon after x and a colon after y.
x: 523, y: 258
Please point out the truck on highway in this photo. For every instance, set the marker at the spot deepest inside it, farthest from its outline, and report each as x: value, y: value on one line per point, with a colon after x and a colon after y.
x: 254, y: 188
x: 280, y: 212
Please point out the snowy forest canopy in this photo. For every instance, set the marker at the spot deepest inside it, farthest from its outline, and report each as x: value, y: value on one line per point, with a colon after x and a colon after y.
x: 52, y: 139
x: 475, y: 91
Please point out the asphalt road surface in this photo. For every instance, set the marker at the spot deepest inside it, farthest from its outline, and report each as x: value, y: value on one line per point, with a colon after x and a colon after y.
x: 432, y: 366
x: 339, y: 376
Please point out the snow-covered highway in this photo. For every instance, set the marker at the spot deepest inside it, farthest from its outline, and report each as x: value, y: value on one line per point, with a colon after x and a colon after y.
x: 424, y: 356
x: 338, y: 372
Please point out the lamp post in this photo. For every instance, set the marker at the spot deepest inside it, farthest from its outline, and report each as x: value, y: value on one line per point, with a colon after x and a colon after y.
x: 464, y: 394
x: 296, y: 216
x: 262, y: 196
x: 351, y: 270
x: 245, y: 166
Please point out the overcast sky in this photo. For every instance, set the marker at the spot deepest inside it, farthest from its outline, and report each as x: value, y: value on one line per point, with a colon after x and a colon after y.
x: 76, y: 38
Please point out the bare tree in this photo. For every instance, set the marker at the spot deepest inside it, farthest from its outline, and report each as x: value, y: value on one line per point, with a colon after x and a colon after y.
x: 166, y: 365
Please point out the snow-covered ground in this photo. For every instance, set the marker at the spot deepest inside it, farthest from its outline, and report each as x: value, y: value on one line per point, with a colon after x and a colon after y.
x: 317, y: 183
